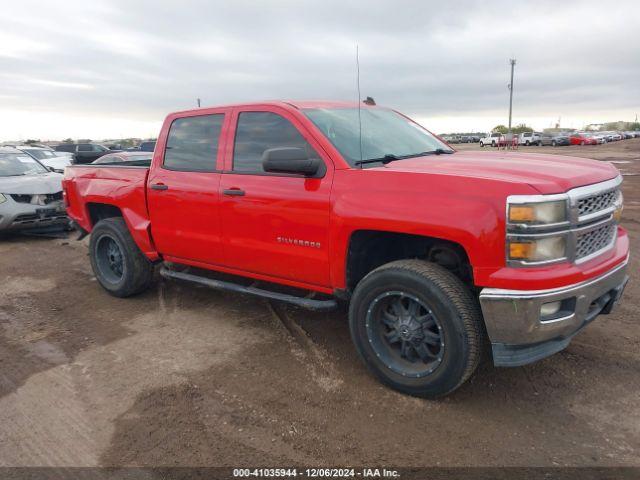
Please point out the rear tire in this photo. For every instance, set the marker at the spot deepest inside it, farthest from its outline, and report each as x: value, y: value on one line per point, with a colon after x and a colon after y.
x: 117, y: 262
x: 417, y: 327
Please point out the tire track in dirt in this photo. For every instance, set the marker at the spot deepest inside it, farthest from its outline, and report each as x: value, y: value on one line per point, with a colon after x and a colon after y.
x: 323, y: 370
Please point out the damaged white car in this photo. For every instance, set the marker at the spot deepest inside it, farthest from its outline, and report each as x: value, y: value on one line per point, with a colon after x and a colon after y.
x: 30, y: 194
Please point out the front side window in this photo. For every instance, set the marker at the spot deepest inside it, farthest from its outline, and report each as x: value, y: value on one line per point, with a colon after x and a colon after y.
x: 260, y: 131
x: 373, y: 133
x: 192, y: 144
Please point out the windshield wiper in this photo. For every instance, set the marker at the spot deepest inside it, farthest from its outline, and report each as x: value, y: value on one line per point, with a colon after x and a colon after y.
x: 437, y: 151
x: 390, y: 157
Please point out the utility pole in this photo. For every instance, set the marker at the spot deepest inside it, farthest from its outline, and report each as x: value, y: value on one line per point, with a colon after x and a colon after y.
x: 198, y: 102
x: 513, y: 64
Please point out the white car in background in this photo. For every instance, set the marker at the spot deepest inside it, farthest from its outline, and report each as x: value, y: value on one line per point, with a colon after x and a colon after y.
x: 48, y: 157
x: 492, y: 139
x: 529, y: 138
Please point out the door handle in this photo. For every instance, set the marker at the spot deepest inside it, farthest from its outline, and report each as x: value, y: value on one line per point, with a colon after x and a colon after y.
x: 160, y: 186
x: 234, y: 192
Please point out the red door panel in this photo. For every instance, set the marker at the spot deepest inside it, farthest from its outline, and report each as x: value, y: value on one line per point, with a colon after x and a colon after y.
x: 279, y: 227
x: 183, y: 198
x: 276, y: 225
x: 185, y: 218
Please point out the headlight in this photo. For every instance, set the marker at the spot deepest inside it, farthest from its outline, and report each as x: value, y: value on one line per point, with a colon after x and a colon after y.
x: 2, y: 198
x: 617, y: 213
x: 538, y: 213
x: 538, y: 250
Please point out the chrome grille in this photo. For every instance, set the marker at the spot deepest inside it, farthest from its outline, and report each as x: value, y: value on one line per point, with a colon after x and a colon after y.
x: 595, y: 240
x: 597, y: 202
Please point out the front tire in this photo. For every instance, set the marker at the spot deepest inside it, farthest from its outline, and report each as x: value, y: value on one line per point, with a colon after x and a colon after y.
x: 482, y: 144
x: 417, y: 327
x: 117, y: 262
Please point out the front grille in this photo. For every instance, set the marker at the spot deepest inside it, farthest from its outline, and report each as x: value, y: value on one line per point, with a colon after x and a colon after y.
x: 596, y: 203
x: 595, y: 240
x: 49, y: 216
x: 39, y: 199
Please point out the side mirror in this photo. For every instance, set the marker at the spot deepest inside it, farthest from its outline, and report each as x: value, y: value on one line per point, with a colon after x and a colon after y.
x: 51, y: 169
x: 292, y: 160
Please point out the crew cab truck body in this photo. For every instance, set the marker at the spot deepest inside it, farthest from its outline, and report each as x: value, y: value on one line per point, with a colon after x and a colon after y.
x: 436, y: 251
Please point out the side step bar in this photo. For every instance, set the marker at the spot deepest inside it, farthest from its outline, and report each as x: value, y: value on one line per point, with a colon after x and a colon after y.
x: 308, y: 303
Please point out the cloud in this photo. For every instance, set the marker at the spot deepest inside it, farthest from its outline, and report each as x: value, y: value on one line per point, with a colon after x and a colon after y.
x: 438, y: 61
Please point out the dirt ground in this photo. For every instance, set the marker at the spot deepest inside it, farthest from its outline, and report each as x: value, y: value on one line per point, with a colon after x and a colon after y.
x: 188, y: 376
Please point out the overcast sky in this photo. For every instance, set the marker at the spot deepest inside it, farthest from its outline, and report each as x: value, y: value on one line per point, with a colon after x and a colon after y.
x: 115, y: 68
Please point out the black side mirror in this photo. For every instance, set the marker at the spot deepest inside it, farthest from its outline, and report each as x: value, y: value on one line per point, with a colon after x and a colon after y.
x: 292, y: 160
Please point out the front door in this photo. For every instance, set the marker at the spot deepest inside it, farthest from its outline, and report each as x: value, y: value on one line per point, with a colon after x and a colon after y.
x: 183, y: 193
x: 275, y: 224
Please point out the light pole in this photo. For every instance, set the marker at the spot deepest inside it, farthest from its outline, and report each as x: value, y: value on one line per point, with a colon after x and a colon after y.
x: 513, y: 64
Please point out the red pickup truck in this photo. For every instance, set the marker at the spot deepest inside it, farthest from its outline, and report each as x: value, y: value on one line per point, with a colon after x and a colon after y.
x: 438, y: 253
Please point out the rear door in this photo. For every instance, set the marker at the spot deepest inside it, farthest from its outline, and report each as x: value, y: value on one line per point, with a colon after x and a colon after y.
x: 183, y: 183
x: 275, y: 224
x: 85, y: 153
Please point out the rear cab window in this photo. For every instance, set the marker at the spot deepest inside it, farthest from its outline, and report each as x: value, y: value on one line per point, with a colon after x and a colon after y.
x: 192, y: 143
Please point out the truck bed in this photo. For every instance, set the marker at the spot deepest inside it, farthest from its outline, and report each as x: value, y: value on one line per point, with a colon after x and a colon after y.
x: 88, y: 188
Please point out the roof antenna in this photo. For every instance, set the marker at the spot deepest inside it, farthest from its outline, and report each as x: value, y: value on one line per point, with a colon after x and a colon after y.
x: 359, y: 107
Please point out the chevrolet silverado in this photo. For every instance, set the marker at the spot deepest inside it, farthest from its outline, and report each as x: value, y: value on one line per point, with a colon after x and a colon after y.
x: 440, y: 255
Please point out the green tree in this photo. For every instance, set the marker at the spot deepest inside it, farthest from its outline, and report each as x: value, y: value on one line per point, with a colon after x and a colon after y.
x: 521, y: 129
x: 31, y: 141
x: 67, y: 140
x: 500, y: 129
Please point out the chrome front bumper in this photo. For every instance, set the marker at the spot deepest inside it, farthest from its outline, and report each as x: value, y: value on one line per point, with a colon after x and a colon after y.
x: 518, y: 333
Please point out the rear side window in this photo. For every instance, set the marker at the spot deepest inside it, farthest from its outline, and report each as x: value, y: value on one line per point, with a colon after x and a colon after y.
x: 85, y: 147
x: 192, y: 144
x: 66, y: 148
x: 260, y: 131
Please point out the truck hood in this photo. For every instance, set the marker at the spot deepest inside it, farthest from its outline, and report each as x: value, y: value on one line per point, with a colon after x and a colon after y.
x: 546, y: 173
x: 31, y: 184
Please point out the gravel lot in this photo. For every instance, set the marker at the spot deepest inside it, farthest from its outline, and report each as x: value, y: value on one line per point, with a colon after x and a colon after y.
x: 187, y: 376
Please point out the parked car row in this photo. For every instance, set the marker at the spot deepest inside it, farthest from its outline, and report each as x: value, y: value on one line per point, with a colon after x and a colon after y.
x: 84, y: 153
x: 461, y: 138
x: 31, y: 196
x: 558, y: 139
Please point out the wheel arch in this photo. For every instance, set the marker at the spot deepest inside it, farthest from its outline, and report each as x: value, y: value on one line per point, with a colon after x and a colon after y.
x: 369, y: 249
x: 139, y: 228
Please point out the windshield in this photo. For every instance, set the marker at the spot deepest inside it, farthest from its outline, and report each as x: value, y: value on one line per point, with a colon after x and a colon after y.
x: 15, y: 164
x: 39, y: 154
x: 384, y: 133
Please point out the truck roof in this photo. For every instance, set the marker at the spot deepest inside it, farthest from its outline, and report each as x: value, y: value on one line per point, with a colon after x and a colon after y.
x: 297, y: 104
